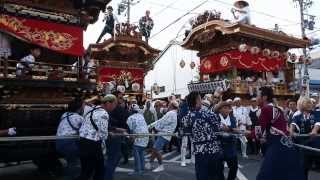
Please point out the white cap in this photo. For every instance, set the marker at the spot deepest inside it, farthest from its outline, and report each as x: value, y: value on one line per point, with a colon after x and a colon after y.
x: 253, y: 99
x: 135, y: 107
x: 237, y: 99
x: 229, y: 100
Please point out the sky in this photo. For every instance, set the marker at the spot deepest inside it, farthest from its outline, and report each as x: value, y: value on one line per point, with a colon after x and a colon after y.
x: 264, y: 13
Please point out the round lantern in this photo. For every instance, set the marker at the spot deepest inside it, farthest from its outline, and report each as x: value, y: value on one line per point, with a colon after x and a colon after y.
x: 293, y: 57
x: 301, y: 59
x: 135, y: 87
x: 182, y: 63
x: 109, y: 87
x: 275, y: 54
x: 192, y: 65
x: 266, y: 52
x: 255, y: 50
x: 121, y: 88
x: 243, y: 48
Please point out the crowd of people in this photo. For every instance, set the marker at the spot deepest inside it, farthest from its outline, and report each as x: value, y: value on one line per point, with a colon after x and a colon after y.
x: 210, y: 129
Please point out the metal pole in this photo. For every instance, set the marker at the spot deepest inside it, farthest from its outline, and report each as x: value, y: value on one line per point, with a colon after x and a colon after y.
x: 303, y: 34
x: 128, y: 15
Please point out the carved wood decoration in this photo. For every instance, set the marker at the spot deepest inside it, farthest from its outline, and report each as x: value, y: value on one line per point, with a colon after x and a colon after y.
x: 124, y: 51
x: 244, y: 31
x: 74, y: 11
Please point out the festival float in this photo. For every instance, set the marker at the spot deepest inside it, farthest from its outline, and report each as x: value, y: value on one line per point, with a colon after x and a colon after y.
x: 34, y: 103
x: 239, y: 58
x: 123, y: 61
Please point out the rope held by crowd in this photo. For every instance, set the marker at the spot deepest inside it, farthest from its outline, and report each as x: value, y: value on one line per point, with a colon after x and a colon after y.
x: 48, y: 138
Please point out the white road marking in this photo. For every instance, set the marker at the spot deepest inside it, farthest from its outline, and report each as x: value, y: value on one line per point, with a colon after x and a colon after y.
x: 175, y: 159
x: 241, y: 176
x: 168, y: 154
x: 123, y: 170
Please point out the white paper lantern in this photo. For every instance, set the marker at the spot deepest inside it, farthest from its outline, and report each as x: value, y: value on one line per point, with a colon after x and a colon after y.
x: 275, y: 54
x: 182, y: 63
x: 266, y: 52
x: 243, y: 48
x: 135, y: 87
x: 255, y: 50
x: 121, y: 88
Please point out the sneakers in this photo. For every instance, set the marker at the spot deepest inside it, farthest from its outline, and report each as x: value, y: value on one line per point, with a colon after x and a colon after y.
x: 245, y: 156
x: 148, y: 166
x: 159, y: 169
x: 183, y: 164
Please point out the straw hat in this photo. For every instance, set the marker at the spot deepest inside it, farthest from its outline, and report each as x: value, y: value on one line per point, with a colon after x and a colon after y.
x: 237, y: 3
x: 221, y: 105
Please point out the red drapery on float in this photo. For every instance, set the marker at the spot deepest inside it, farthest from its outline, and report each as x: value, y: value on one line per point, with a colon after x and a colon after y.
x: 62, y: 38
x: 240, y: 60
x: 107, y: 74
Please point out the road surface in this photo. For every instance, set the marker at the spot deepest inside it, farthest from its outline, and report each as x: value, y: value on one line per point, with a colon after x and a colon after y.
x: 248, y: 169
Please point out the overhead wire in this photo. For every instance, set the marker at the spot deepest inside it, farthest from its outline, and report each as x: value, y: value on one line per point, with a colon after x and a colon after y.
x: 179, y: 18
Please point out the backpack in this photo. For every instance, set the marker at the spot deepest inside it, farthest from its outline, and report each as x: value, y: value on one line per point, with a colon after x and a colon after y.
x: 148, y: 116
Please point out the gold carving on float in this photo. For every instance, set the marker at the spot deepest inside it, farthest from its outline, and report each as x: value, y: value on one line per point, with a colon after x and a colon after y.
x: 49, y: 39
x: 224, y: 61
x: 207, y: 65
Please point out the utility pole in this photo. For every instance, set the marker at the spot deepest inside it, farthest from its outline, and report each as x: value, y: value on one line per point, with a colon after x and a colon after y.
x: 305, y: 24
x: 128, y: 11
x: 126, y: 5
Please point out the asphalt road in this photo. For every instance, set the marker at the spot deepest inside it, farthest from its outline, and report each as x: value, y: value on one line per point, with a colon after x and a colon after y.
x: 248, y: 169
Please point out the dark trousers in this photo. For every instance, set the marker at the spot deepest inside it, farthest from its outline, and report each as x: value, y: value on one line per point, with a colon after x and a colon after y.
x: 308, y: 161
x: 208, y: 167
x: 233, y: 167
x: 92, y: 160
x: 125, y: 149
x: 106, y: 29
x: 113, y: 156
x: 69, y: 149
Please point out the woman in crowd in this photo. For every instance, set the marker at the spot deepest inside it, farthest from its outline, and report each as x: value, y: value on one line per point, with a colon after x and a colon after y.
x: 138, y: 125
x: 149, y: 113
x: 207, y: 147
x: 69, y: 125
x: 306, y: 123
x: 281, y: 160
x: 167, y: 125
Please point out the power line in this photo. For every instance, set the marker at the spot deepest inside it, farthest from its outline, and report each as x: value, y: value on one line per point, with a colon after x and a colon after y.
x: 165, y: 8
x: 178, y: 19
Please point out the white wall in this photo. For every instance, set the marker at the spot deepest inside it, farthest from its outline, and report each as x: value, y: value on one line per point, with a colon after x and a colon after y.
x: 168, y: 67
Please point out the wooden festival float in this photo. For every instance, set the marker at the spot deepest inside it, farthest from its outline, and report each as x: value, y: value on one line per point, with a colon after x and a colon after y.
x: 34, y: 103
x: 123, y: 61
x: 240, y: 58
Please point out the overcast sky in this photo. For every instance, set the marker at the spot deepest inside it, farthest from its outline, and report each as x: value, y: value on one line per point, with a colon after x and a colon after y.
x: 264, y: 13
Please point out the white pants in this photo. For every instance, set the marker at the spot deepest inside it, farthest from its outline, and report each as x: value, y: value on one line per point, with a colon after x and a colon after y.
x: 184, y: 147
x: 243, y: 141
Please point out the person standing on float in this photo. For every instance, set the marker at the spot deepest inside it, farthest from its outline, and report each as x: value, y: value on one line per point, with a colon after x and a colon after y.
x: 282, y: 160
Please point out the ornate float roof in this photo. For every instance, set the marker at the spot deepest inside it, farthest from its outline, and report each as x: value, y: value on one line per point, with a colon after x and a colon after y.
x: 126, y: 49
x: 63, y: 11
x: 208, y: 32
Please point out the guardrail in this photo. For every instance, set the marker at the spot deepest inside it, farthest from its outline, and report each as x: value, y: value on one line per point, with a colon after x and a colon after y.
x: 47, y: 71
